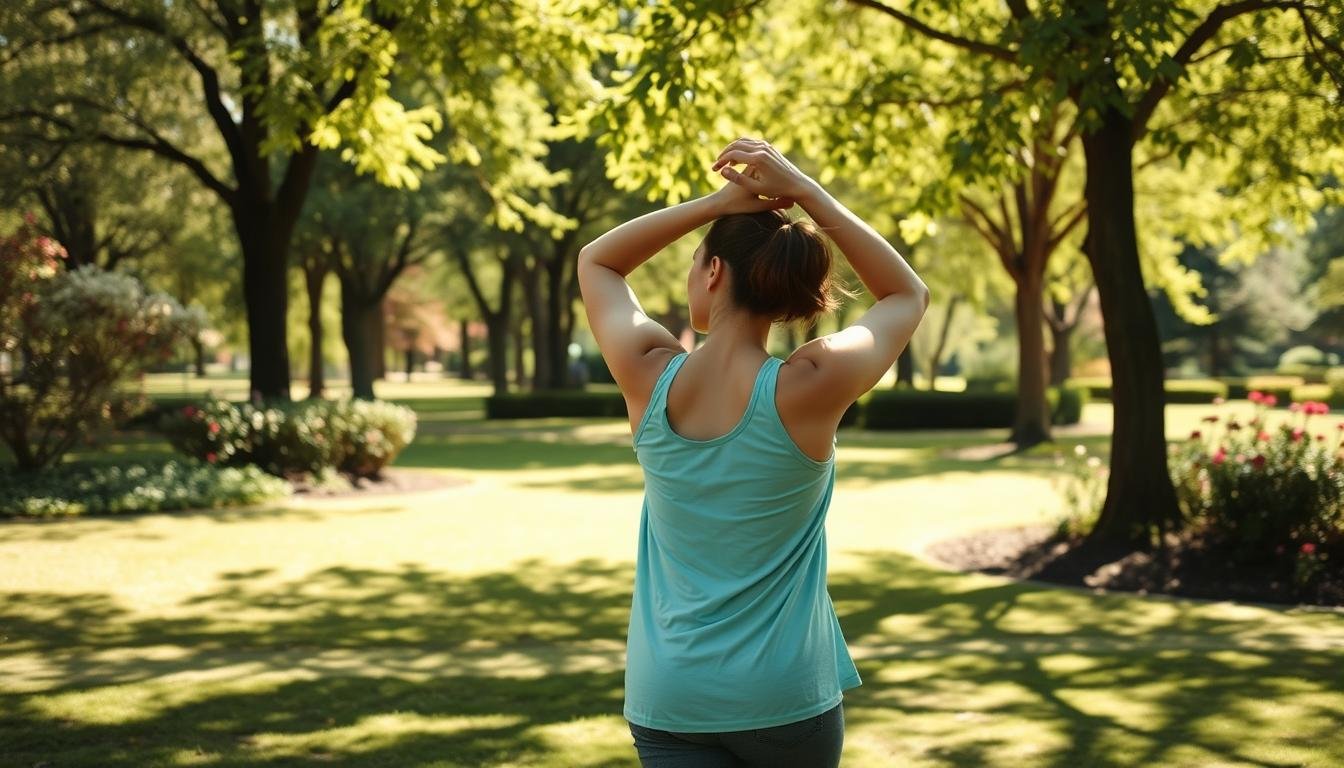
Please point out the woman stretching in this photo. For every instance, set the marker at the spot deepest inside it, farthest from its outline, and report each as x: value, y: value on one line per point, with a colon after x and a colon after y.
x: 734, y: 654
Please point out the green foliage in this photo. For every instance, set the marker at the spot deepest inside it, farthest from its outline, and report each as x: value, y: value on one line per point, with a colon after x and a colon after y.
x: 1263, y: 489
x: 152, y: 486
x: 78, y: 339
x: 1177, y: 390
x: 564, y: 402
x: 1066, y: 403
x: 357, y: 437
x: 1083, y: 486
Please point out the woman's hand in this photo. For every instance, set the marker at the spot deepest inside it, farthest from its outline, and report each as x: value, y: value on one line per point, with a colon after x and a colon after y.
x: 735, y: 197
x: 768, y: 173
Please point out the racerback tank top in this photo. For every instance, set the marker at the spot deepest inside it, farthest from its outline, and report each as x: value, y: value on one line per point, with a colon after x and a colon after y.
x: 731, y: 626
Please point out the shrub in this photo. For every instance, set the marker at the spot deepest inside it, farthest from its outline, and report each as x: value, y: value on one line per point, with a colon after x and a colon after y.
x: 1262, y: 489
x: 81, y: 335
x: 558, y: 402
x: 923, y: 409
x: 1083, y: 487
x: 1066, y: 403
x: 1334, y: 379
x: 152, y: 486
x: 355, y: 436
x: 1304, y: 359
x: 1177, y: 390
x: 598, y: 372
x: 1281, y: 387
x: 1195, y: 390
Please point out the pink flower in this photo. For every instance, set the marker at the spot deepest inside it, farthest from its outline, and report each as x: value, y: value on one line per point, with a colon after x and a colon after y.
x: 1255, y: 396
x: 1258, y: 462
x: 1308, y: 548
x: 210, y: 457
x: 1219, y: 400
x: 1297, y: 434
x: 1270, y: 400
x: 190, y: 411
x: 1263, y: 436
x: 1219, y: 456
x: 214, y: 427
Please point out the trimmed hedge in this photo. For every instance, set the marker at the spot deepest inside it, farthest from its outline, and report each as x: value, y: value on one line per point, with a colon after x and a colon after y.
x: 1281, y: 387
x: 156, y: 485
x: 900, y: 408
x: 555, y: 402
x: 1178, y: 390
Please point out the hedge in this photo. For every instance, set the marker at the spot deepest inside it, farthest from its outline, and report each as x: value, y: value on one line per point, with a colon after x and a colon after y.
x: 556, y: 402
x: 1178, y: 390
x: 921, y: 409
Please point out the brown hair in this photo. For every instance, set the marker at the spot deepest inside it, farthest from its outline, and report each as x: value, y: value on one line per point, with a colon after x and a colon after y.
x: 780, y: 267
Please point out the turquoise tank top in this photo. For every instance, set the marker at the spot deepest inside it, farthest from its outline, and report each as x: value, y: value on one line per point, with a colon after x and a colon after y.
x: 731, y: 626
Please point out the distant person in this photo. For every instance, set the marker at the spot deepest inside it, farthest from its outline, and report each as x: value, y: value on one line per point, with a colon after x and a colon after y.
x: 735, y: 655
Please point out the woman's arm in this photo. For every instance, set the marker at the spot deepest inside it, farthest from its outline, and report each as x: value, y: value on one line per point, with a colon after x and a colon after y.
x: 843, y: 365
x: 624, y: 333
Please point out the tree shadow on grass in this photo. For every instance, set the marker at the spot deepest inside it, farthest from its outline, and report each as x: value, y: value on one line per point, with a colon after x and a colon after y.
x: 410, y: 666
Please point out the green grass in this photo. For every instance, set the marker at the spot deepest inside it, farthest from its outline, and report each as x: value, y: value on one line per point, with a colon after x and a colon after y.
x: 484, y: 624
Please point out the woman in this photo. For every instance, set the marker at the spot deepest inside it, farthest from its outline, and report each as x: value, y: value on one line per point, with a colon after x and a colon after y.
x: 734, y: 652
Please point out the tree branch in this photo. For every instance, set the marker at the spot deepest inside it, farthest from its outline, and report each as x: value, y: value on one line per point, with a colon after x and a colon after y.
x: 1201, y: 34
x: 975, y: 46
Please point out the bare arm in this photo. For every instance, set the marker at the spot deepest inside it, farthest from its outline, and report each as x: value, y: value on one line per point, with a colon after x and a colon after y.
x: 849, y: 362
x: 624, y: 333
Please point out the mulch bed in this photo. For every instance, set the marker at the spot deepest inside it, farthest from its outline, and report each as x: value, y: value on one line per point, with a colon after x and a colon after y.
x: 390, y: 480
x: 1190, y: 568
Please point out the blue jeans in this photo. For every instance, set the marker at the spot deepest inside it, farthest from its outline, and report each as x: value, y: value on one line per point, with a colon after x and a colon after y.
x: 811, y: 743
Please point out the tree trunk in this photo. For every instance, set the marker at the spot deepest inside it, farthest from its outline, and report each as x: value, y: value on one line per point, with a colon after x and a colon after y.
x: 198, y: 353
x: 266, y: 298
x: 542, y: 363
x: 1061, y: 361
x: 357, y: 329
x: 557, y: 333
x: 905, y: 367
x: 516, y: 335
x: 464, y: 332
x: 314, y: 276
x: 378, y: 334
x: 1140, y: 499
x: 1031, y: 419
x: 942, y: 340
x: 497, y: 341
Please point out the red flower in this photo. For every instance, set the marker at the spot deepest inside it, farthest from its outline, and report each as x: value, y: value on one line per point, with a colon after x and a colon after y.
x: 1308, y: 548
x: 1263, y: 436
x: 210, y: 457
x: 1297, y: 434
x: 1270, y: 400
x: 190, y: 411
x: 214, y: 427
x: 1258, y: 462
x: 1255, y: 396
x: 1219, y: 456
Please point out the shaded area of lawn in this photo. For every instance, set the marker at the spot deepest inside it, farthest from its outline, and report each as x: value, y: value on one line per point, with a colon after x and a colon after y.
x: 409, y: 666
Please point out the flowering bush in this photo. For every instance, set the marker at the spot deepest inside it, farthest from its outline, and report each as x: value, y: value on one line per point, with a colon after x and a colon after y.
x: 354, y: 436
x: 1264, y: 489
x: 78, y: 336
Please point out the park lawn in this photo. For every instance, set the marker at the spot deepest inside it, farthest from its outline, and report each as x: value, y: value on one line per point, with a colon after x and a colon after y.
x: 484, y: 624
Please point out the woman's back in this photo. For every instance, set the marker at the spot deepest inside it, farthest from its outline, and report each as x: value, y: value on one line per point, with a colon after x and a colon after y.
x: 731, y: 626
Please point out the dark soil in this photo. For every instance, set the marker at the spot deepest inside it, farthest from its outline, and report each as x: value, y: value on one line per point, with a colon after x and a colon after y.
x: 390, y: 480
x: 1190, y: 568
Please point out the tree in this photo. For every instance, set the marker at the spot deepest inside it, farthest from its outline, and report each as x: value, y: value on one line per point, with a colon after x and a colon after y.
x: 278, y: 83
x: 1176, y: 80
